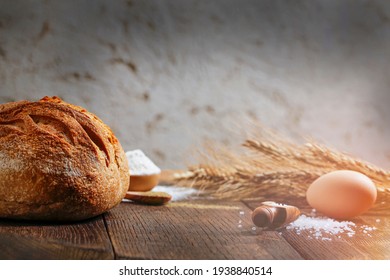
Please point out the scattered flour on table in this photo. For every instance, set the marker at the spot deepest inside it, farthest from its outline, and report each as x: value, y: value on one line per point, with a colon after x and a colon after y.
x: 177, y: 193
x: 326, y: 228
x: 140, y: 164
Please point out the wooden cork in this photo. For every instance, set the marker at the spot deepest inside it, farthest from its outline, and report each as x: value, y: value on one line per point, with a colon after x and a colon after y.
x: 272, y: 215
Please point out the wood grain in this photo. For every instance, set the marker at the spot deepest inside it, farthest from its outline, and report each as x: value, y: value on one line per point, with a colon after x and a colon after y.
x: 28, y: 240
x: 196, y: 229
x: 191, y: 230
x: 377, y: 244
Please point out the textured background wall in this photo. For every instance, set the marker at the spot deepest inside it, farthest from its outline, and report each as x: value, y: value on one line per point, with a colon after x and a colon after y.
x: 165, y: 75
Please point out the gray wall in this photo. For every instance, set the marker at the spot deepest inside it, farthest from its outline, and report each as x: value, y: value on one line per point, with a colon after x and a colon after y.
x: 165, y: 75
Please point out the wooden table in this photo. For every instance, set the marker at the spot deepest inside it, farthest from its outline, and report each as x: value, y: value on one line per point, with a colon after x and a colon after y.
x: 190, y: 229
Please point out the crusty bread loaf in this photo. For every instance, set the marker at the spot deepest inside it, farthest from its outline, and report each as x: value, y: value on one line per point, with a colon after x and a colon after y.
x: 58, y: 162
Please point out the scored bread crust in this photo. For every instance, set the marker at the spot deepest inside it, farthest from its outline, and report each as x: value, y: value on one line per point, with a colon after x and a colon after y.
x: 58, y: 162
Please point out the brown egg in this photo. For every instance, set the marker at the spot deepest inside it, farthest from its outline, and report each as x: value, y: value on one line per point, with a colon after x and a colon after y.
x: 342, y: 194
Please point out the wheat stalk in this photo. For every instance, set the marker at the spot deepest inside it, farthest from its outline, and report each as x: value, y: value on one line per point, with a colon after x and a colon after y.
x: 275, y: 169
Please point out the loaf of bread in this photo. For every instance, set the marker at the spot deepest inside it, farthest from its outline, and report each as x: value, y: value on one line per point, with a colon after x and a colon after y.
x: 58, y: 162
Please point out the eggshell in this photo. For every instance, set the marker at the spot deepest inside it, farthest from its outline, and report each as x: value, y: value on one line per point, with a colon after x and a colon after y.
x: 342, y: 194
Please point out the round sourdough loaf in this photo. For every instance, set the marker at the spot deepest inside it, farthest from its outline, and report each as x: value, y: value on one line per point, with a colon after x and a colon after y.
x: 58, y: 162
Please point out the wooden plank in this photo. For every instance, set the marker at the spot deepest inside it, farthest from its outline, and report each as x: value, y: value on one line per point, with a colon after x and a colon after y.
x: 342, y: 246
x: 190, y: 230
x: 364, y: 244
x: 375, y: 244
x: 28, y: 240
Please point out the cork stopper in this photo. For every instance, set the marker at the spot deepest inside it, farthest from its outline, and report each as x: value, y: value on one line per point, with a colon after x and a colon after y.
x: 272, y: 215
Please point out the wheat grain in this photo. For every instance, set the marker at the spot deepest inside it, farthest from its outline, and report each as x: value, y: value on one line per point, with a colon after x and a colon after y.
x: 275, y: 168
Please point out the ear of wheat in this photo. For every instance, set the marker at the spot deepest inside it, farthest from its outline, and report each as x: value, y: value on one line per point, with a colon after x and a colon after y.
x: 275, y: 169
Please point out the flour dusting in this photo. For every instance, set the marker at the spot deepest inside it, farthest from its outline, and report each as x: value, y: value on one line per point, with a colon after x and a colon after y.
x: 328, y: 229
x: 140, y: 164
x: 9, y: 163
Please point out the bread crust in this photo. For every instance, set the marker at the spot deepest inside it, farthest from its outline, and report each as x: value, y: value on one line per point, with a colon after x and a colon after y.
x: 58, y: 162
